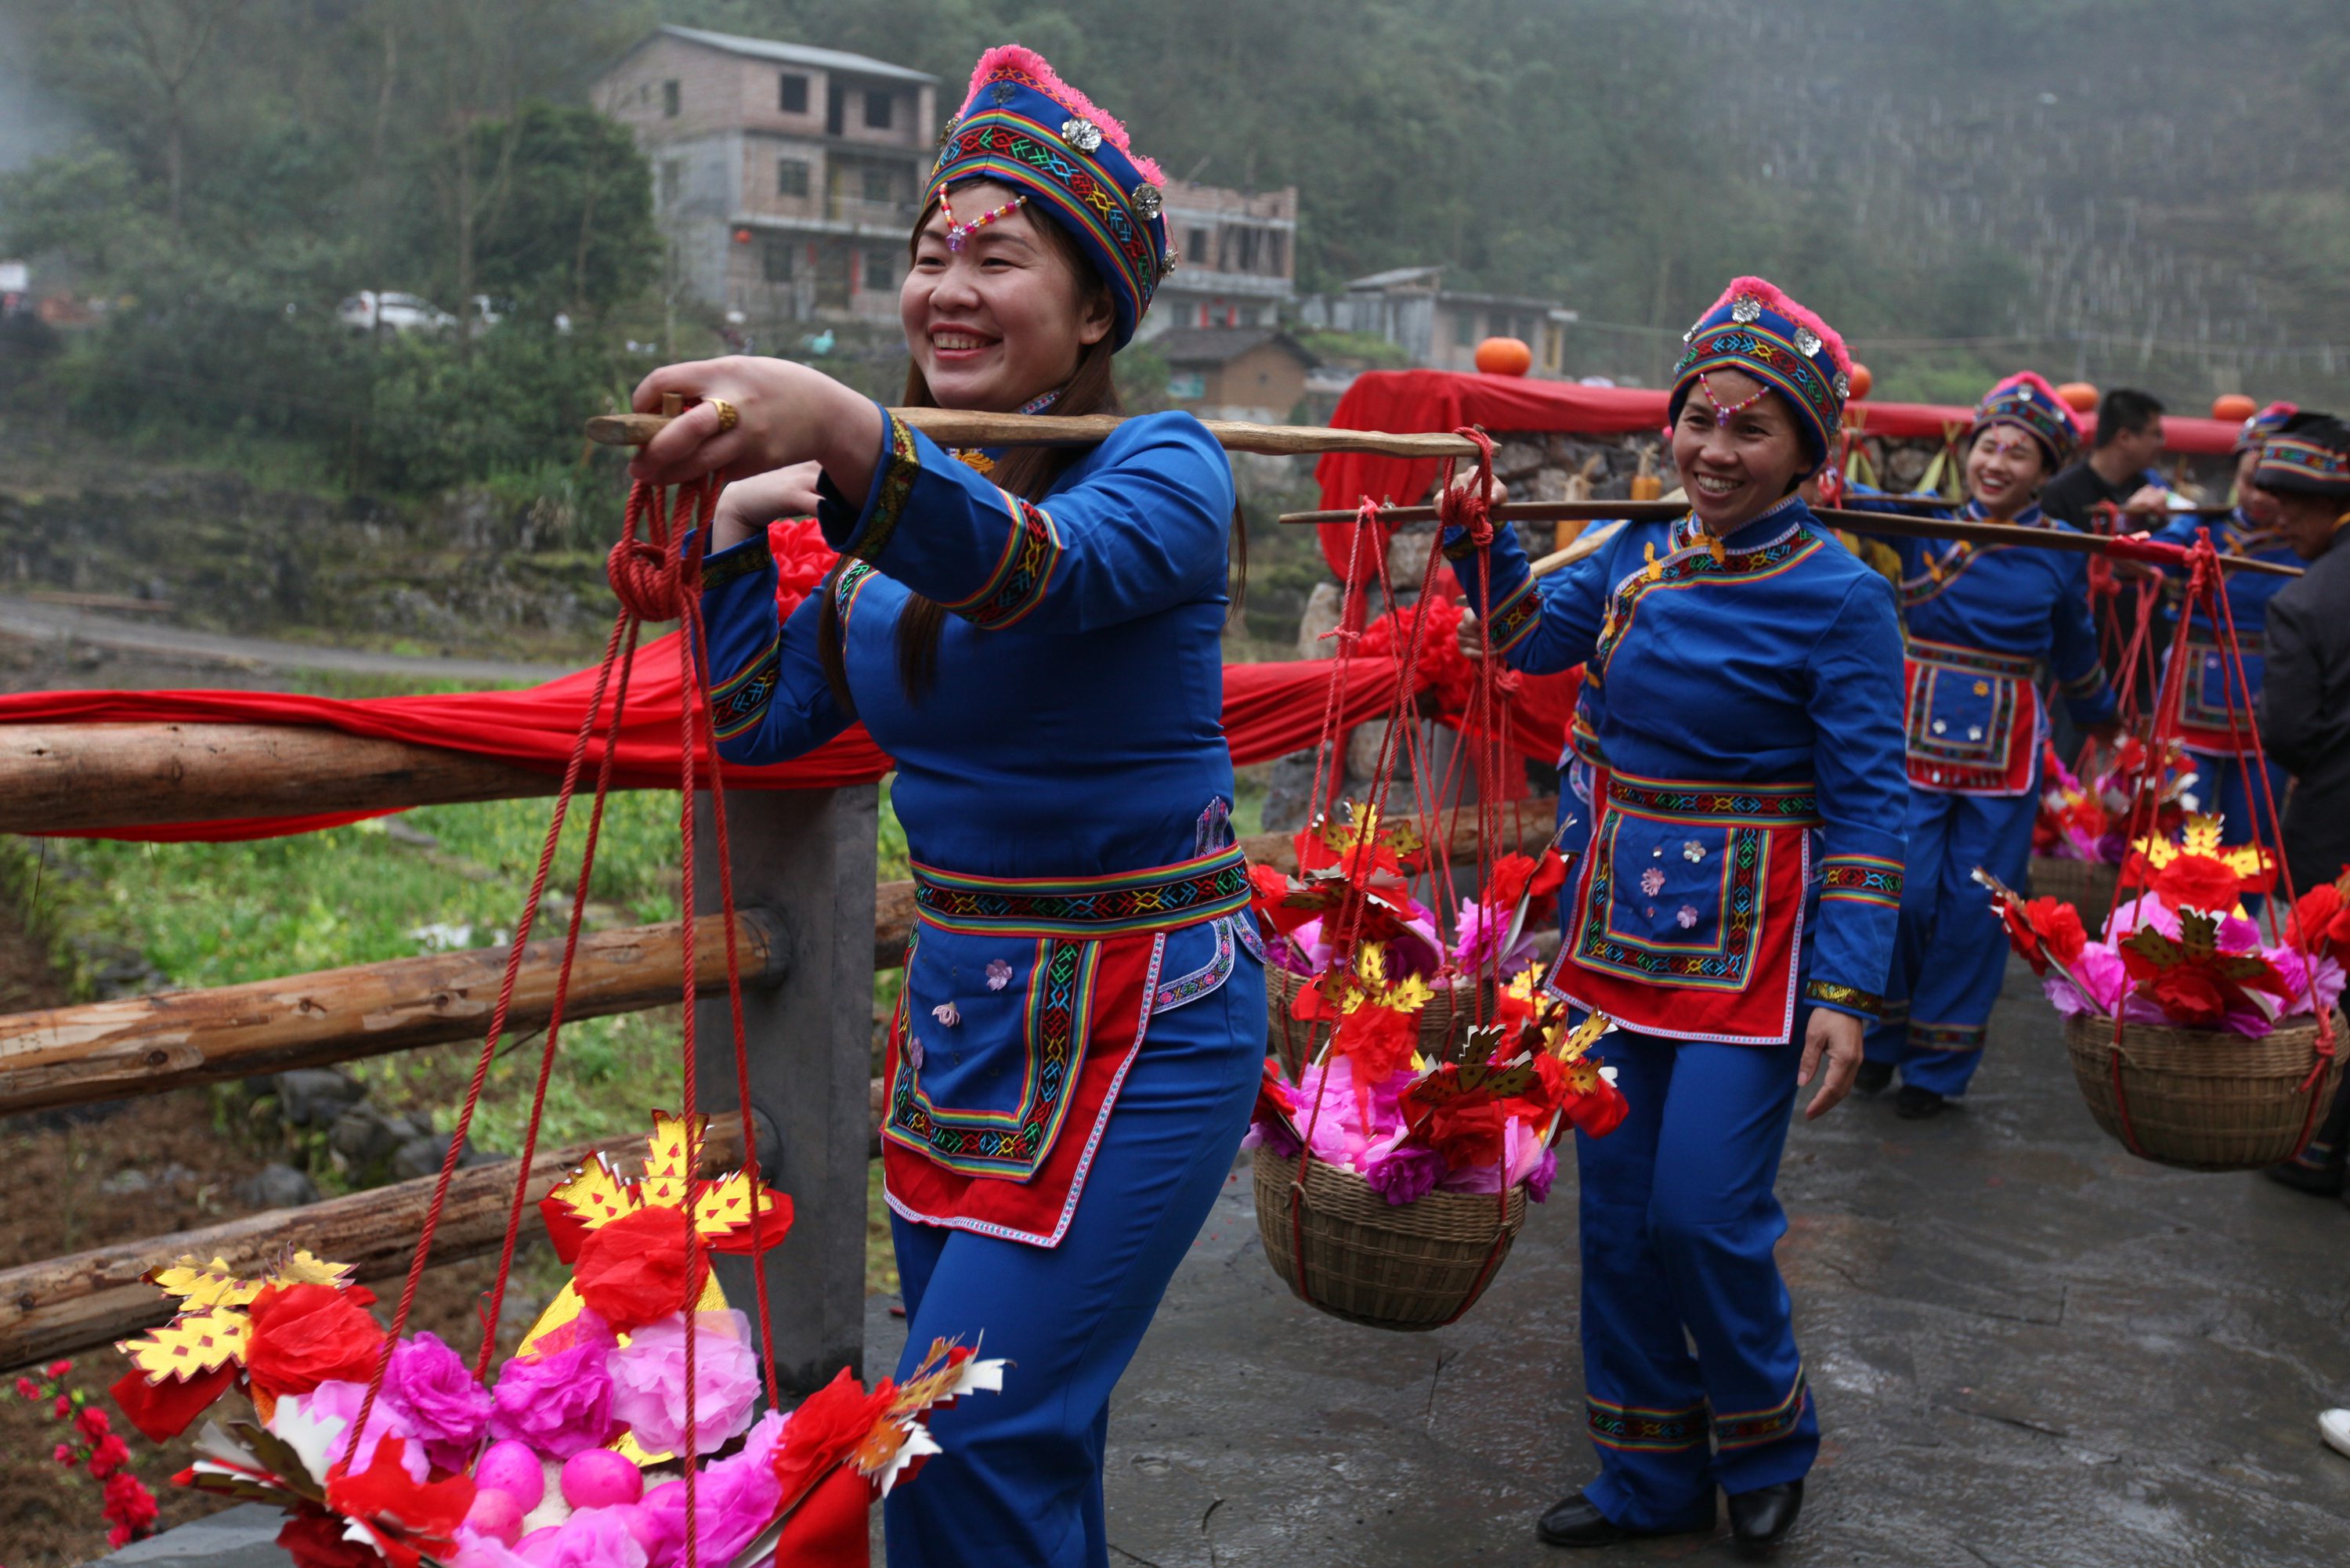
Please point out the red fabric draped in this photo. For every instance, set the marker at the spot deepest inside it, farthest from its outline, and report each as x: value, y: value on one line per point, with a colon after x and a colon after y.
x: 1270, y: 709
x: 1447, y: 399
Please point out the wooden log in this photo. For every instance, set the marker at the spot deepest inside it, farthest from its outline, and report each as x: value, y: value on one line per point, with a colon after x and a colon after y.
x: 67, y: 778
x: 964, y: 428
x: 148, y: 1044
x: 66, y: 1304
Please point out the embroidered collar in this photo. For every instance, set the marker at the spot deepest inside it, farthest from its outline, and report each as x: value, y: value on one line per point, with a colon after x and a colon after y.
x: 2029, y: 517
x: 1758, y: 533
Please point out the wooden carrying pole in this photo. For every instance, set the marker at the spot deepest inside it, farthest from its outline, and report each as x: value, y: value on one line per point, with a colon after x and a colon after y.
x: 963, y: 427
x: 148, y: 1044
x: 65, y: 1305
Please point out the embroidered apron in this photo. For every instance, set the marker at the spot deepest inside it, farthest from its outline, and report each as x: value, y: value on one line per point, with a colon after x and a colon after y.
x: 1024, y: 1005
x: 1970, y: 720
x: 1688, y: 916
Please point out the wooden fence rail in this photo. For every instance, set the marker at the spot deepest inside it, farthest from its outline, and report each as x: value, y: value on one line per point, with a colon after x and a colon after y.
x: 65, y: 1305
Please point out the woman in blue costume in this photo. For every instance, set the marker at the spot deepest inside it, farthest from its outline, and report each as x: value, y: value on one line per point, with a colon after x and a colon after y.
x: 2221, y: 754
x: 1734, y: 912
x: 1980, y: 621
x: 1033, y: 635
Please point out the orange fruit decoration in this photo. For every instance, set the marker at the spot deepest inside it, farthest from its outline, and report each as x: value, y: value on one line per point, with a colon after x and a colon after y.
x: 2079, y: 396
x: 1504, y: 357
x: 1861, y: 381
x: 2234, y: 407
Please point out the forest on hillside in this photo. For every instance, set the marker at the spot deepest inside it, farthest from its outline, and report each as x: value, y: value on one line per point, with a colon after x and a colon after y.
x: 2138, y: 190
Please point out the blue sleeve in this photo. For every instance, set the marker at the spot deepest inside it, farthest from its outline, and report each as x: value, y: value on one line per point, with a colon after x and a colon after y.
x: 1537, y: 626
x: 1854, y: 697
x: 1146, y: 530
x: 768, y: 696
x: 2074, y: 658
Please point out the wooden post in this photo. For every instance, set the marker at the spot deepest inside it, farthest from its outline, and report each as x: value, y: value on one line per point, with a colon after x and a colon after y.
x: 807, y: 857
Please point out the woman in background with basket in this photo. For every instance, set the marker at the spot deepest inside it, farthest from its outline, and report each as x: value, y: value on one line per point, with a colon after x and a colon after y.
x: 1734, y: 913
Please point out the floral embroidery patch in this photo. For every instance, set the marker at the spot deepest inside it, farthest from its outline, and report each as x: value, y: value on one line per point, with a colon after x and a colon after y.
x: 1686, y: 916
x: 999, y: 974
x: 1652, y: 881
x: 948, y: 1013
x: 1693, y: 851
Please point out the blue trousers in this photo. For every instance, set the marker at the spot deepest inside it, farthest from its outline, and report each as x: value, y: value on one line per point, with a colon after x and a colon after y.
x: 1020, y: 1483
x: 1950, y: 951
x: 1679, y: 1225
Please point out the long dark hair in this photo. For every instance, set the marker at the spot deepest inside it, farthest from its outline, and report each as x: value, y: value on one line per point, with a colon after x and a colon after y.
x: 1028, y: 472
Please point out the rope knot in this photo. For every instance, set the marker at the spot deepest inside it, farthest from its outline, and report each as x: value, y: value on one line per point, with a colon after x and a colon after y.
x: 643, y: 581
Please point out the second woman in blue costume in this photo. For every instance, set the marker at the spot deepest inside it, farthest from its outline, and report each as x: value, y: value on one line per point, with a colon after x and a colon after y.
x: 1035, y: 636
x: 1980, y: 621
x: 1734, y: 912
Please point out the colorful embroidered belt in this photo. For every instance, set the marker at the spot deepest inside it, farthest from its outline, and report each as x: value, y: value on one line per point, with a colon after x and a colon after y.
x: 1160, y: 898
x: 1951, y: 655
x: 1725, y: 805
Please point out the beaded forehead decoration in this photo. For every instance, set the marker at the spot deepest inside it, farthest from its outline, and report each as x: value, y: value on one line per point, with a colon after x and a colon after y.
x: 1724, y: 413
x: 958, y: 233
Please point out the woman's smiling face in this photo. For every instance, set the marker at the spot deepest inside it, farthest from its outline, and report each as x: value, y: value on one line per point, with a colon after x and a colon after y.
x: 1000, y: 321
x: 1734, y: 469
x: 2004, y: 470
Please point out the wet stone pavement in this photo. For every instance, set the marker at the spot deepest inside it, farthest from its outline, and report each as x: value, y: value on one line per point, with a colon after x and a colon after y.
x: 2030, y: 1350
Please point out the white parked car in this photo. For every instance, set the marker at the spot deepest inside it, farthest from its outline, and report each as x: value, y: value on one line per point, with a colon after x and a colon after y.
x: 367, y: 310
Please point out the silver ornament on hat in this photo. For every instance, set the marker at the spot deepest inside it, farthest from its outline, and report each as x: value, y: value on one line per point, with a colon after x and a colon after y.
x: 1807, y: 342
x: 946, y: 131
x: 1082, y: 134
x: 1843, y: 385
x: 1745, y: 310
x: 1147, y: 201
x: 1689, y: 334
x: 1002, y: 92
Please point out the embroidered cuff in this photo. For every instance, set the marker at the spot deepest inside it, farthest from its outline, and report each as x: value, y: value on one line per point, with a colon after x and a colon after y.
x: 1458, y: 545
x: 1861, y: 880
x: 739, y: 702
x: 1515, y: 618
x: 1031, y: 548
x: 893, y: 486
x: 1844, y: 998
x: 745, y: 559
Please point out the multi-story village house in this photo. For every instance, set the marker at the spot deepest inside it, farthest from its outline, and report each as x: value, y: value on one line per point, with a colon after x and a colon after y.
x: 785, y: 177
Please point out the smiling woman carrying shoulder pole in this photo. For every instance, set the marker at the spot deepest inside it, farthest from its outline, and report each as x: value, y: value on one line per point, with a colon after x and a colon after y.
x: 1034, y: 635
x: 1979, y: 623
x: 1740, y: 735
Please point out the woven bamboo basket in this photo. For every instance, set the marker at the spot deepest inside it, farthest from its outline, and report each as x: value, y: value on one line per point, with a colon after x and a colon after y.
x: 1409, y: 1266
x: 2203, y: 1099
x: 1296, y: 1042
x: 2086, y: 885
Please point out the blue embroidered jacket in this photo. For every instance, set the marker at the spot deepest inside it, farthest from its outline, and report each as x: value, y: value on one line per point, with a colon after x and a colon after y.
x: 2204, y: 684
x: 1066, y: 776
x: 1978, y: 621
x: 1776, y: 665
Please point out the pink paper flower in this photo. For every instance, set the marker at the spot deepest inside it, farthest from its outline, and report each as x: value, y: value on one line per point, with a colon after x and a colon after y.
x: 1539, y: 1179
x: 448, y: 1410
x: 1405, y: 1172
x: 734, y: 1498
x: 335, y: 1404
x: 649, y: 1381
x: 591, y: 1538
x: 559, y: 1402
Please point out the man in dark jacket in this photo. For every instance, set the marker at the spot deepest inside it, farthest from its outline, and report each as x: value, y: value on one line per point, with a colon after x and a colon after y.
x: 2304, y: 703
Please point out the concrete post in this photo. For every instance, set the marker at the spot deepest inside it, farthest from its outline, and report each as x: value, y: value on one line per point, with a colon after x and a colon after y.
x: 807, y: 858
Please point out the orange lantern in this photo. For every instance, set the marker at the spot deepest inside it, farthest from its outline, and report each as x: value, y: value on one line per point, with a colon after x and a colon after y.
x: 2079, y: 396
x: 1861, y: 381
x: 1504, y: 357
x: 2234, y: 407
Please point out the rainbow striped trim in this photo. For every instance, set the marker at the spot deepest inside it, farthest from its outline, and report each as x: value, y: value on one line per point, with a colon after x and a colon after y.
x: 1012, y: 1143
x: 1031, y: 549
x: 1516, y: 617
x: 2289, y: 462
x: 2015, y: 667
x: 1630, y: 1429
x: 892, y: 488
x: 1861, y: 880
x: 741, y: 701
x: 1949, y: 1036
x: 1719, y: 804
x: 1753, y: 1428
x: 1160, y: 898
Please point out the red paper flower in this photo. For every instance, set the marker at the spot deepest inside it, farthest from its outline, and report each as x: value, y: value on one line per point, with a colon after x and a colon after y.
x: 407, y: 1518
x: 2321, y: 922
x: 1517, y: 876
x: 825, y: 1430
x: 1378, y: 1040
x: 2198, y: 882
x: 315, y: 1540
x: 162, y: 1411
x: 632, y: 1270
x: 2042, y: 929
x: 2188, y: 995
x: 303, y: 1335
x: 1598, y: 1106
x: 801, y: 557
x: 1468, y: 1132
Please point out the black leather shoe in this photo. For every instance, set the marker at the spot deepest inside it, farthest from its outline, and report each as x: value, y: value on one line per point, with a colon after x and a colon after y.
x: 1760, y: 1518
x: 2310, y: 1178
x: 1577, y: 1521
x: 1874, y: 1077
x: 1916, y: 1105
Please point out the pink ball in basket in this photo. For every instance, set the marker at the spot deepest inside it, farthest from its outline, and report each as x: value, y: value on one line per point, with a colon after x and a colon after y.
x: 511, y: 1468
x: 496, y: 1514
x: 598, y: 1478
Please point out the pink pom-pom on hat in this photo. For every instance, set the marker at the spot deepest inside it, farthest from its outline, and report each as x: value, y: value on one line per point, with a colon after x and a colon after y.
x: 1022, y: 60
x: 1772, y: 298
